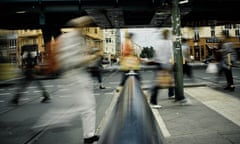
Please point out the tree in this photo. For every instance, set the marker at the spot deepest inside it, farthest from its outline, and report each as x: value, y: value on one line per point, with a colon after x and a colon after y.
x: 147, y: 52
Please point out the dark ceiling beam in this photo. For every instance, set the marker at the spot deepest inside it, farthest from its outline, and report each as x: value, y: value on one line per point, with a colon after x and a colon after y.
x: 115, y: 13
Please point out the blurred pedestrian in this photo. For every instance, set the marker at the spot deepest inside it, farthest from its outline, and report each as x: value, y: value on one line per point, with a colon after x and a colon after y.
x: 128, y: 61
x: 192, y: 58
x: 187, y: 69
x: 163, y: 57
x: 96, y: 71
x: 229, y: 56
x: 29, y: 62
x: 215, y: 59
x: 74, y: 56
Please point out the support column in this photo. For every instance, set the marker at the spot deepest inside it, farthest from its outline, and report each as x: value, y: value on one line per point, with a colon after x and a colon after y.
x: 178, y: 59
x: 49, y: 32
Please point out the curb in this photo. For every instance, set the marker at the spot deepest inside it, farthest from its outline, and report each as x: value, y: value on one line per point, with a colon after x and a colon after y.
x: 185, y: 85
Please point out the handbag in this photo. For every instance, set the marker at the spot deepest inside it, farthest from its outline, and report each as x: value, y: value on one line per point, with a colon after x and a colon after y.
x: 212, y: 68
x: 164, y: 79
x: 129, y: 63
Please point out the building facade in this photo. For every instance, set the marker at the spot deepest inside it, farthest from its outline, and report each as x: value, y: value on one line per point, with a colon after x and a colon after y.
x: 112, y: 43
x: 203, y: 39
x: 200, y: 39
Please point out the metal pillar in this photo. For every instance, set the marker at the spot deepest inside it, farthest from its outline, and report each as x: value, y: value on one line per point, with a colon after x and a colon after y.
x: 178, y: 59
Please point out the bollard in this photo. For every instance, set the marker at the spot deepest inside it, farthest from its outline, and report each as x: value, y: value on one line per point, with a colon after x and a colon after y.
x: 131, y: 121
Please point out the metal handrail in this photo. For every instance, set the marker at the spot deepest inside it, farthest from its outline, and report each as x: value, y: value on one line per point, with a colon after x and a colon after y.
x: 131, y: 121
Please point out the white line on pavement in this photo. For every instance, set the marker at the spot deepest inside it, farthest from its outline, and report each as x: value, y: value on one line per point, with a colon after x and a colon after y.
x: 109, y: 93
x: 49, y: 86
x: 5, y: 94
x: 159, y: 119
x: 161, y: 123
x: 64, y: 96
x: 36, y: 91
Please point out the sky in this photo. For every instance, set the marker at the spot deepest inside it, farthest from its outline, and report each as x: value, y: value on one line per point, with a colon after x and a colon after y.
x: 145, y: 37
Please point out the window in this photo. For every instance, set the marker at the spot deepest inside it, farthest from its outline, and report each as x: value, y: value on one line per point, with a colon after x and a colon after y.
x: 108, y: 40
x: 12, y: 43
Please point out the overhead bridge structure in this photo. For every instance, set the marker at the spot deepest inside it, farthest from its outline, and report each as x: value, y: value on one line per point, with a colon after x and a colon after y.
x: 33, y: 14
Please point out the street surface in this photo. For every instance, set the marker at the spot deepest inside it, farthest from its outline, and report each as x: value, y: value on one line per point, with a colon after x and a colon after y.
x: 59, y: 121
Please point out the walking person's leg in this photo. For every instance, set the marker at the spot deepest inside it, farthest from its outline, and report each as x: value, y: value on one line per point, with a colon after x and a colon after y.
x: 123, y: 79
x: 230, y: 84
x: 189, y: 70
x: 138, y: 75
x: 87, y: 106
x: 154, y: 97
x: 22, y: 84
x: 171, y: 92
x: 84, y: 103
x: 226, y: 73
x: 99, y: 77
x: 45, y: 94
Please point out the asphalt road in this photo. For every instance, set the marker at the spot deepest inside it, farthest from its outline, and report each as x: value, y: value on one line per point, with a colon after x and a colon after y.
x: 59, y: 122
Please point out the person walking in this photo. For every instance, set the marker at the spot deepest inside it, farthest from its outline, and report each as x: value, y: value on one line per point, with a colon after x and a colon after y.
x: 228, y: 57
x: 128, y: 61
x: 163, y: 56
x: 74, y: 56
x: 95, y: 70
x: 29, y: 62
x: 187, y: 69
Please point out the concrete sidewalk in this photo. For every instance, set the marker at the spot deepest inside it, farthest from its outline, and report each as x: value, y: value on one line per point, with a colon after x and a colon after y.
x: 212, y: 118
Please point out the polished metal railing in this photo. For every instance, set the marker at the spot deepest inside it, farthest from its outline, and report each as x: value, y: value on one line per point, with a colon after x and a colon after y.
x: 132, y: 120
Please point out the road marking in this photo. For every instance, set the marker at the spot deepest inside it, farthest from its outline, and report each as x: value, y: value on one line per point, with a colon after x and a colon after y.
x: 5, y: 94
x: 25, y: 99
x: 63, y: 89
x: 31, y: 87
x: 49, y: 86
x: 109, y: 93
x: 161, y: 123
x: 159, y: 119
x: 64, y: 96
x: 24, y: 92
x: 37, y: 91
x: 114, y: 82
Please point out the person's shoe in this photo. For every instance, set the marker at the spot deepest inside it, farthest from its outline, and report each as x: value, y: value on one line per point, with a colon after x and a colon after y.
x: 102, y: 87
x: 14, y: 101
x: 90, y: 140
x: 184, y: 102
x: 227, y: 88
x: 45, y: 94
x: 155, y: 106
x: 45, y: 100
x: 171, y: 97
x: 231, y: 88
